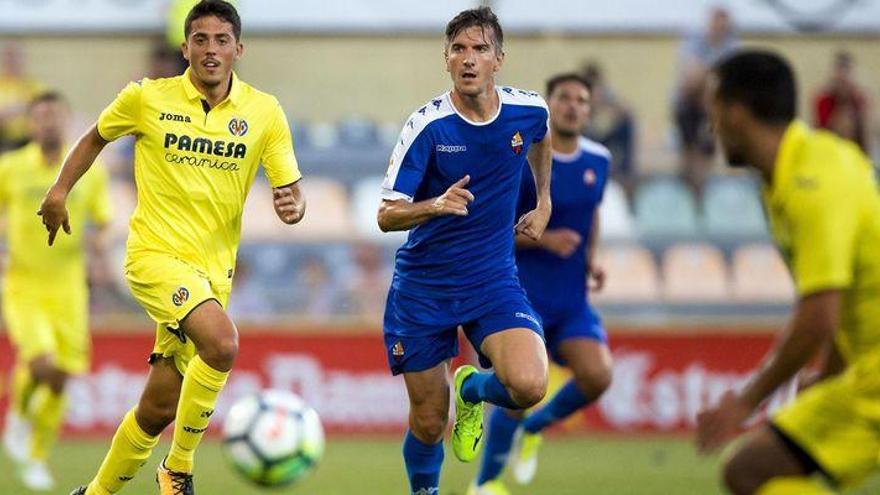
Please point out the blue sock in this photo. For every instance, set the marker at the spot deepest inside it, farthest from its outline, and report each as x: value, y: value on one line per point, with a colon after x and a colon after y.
x: 566, y: 401
x: 502, y: 426
x: 486, y: 387
x: 423, y: 464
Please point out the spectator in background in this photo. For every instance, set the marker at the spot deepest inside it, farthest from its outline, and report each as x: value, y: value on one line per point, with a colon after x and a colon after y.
x: 164, y: 61
x: 16, y: 91
x: 371, y: 274
x: 841, y: 105
x: 611, y: 124
x: 699, y: 51
x: 319, y: 295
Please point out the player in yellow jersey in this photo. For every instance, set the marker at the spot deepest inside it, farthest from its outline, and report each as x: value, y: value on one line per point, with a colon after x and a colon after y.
x: 822, y: 201
x: 45, y: 294
x: 200, y: 138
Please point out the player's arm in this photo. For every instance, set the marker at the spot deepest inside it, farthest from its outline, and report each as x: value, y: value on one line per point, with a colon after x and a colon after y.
x: 78, y: 161
x: 290, y: 203
x: 540, y: 158
x: 595, y: 272
x: 401, y: 214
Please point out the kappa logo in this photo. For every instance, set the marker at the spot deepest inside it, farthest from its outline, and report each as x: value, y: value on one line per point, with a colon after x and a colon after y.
x: 397, y: 351
x: 180, y: 297
x: 527, y: 316
x: 451, y: 148
x: 238, y: 127
x: 427, y: 491
x: 516, y: 142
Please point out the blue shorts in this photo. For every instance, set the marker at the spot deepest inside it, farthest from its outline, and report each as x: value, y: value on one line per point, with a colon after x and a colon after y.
x: 422, y: 332
x: 579, y: 322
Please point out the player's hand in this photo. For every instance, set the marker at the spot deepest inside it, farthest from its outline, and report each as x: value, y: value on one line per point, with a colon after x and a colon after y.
x: 53, y: 210
x: 561, y: 242
x: 533, y: 223
x: 718, y: 425
x: 596, y: 277
x: 288, y: 206
x: 455, y: 200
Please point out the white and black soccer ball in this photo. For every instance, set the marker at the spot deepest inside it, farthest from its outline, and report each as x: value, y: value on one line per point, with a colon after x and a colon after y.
x: 273, y: 438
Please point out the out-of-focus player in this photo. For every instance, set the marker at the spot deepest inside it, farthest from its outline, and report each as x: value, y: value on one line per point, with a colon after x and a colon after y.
x: 555, y: 272
x: 453, y: 182
x: 821, y: 197
x: 200, y: 138
x: 45, y: 291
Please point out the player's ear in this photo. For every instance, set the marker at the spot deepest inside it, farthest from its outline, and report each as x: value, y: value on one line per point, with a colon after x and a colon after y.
x: 499, y: 61
x: 239, y: 50
x: 184, y: 50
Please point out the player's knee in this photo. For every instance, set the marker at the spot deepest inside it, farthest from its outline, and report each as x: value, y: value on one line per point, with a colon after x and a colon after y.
x: 154, y: 416
x: 221, y: 353
x: 56, y: 381
x: 528, y: 389
x: 739, y: 475
x: 429, y: 425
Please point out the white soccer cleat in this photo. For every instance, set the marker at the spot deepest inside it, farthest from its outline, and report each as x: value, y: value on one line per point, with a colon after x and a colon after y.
x: 36, y: 476
x: 17, y: 438
x: 525, y: 457
x: 493, y: 487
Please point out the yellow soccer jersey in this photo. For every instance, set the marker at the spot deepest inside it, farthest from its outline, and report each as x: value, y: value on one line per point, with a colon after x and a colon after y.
x: 824, y: 212
x: 194, y: 165
x: 24, y: 179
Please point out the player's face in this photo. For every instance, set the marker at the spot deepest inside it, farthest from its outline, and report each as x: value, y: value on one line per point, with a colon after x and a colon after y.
x: 48, y: 123
x: 727, y: 121
x: 472, y: 60
x: 211, y: 49
x: 569, y: 108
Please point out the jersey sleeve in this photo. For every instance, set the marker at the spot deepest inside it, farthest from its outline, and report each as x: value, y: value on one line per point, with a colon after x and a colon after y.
x: 409, y: 161
x: 279, y: 160
x: 542, y: 126
x: 823, y: 221
x: 122, y: 116
x: 100, y: 209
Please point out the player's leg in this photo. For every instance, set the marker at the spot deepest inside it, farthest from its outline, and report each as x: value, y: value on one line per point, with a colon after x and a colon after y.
x: 216, y: 343
x: 502, y: 427
x: 428, y: 415
x: 139, y: 431
x: 519, y: 379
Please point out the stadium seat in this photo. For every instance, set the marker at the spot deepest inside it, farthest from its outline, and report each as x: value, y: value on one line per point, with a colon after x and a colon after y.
x: 632, y: 274
x: 365, y: 198
x: 760, y: 275
x: 323, y: 135
x: 357, y: 131
x: 694, y: 272
x: 300, y: 134
x: 616, y: 220
x: 732, y: 209
x: 665, y: 209
x: 388, y: 134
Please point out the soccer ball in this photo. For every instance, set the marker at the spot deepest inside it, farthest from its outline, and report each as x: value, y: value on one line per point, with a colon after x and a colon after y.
x: 273, y: 438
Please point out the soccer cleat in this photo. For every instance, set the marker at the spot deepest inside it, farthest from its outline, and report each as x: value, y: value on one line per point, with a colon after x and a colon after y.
x: 17, y: 438
x: 36, y: 476
x: 493, y: 487
x: 79, y: 491
x: 467, y: 432
x: 525, y: 459
x: 174, y: 483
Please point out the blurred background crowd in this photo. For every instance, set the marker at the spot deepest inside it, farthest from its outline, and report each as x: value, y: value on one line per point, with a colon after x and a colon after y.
x: 683, y: 239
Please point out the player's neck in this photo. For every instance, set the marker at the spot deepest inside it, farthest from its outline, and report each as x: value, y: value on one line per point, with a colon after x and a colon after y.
x: 51, y: 153
x: 564, y: 144
x: 477, y: 108
x: 214, y: 95
x: 766, y: 142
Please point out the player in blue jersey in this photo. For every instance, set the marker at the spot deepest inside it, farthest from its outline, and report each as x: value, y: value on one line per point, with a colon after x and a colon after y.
x: 555, y: 272
x: 453, y: 182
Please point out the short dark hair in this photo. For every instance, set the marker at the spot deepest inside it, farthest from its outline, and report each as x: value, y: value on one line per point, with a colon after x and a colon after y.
x: 218, y: 8
x: 48, y: 96
x: 564, y: 78
x: 482, y: 17
x: 760, y: 80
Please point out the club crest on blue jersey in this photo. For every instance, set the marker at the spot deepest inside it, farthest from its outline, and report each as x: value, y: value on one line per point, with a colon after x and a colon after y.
x: 180, y: 297
x: 589, y: 177
x: 238, y: 127
x: 397, y: 351
x: 516, y: 142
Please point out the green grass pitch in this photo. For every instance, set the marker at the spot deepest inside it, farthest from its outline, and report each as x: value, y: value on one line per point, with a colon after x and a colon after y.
x: 569, y: 466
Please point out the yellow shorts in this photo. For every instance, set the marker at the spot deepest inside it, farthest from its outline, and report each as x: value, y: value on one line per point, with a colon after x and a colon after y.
x: 837, y: 422
x: 169, y: 289
x: 49, y: 324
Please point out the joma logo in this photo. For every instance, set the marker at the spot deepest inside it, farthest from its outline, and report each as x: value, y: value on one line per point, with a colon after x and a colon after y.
x: 174, y: 117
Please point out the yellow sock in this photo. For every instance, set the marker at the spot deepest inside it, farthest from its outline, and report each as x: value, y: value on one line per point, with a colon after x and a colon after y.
x: 23, y: 387
x: 129, y: 451
x: 794, y: 485
x: 198, y: 394
x: 46, y: 413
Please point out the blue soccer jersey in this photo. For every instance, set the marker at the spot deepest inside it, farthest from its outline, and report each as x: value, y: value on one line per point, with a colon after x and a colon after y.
x: 454, y: 256
x: 556, y: 284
